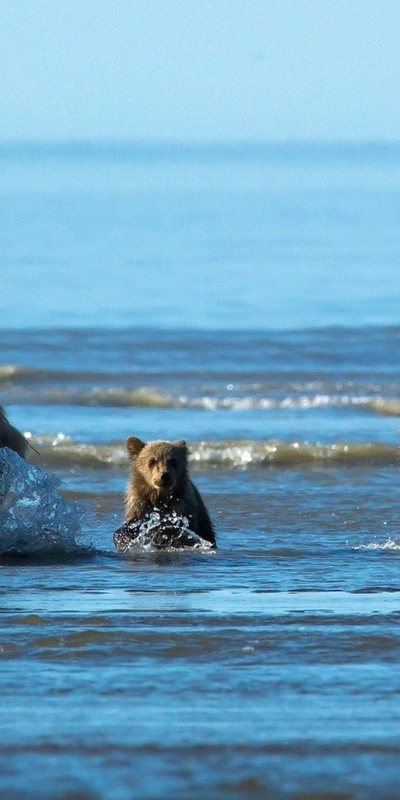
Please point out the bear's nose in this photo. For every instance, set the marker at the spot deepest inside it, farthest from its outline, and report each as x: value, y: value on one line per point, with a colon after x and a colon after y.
x: 165, y: 478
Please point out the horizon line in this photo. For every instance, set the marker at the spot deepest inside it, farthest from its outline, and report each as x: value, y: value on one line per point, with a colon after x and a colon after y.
x: 101, y: 141
x: 173, y: 150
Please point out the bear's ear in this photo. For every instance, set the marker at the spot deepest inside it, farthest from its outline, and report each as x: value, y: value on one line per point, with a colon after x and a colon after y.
x: 181, y: 444
x: 134, y: 446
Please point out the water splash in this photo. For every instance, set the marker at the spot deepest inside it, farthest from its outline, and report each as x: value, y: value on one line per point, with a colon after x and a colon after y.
x: 160, y: 530
x: 389, y: 544
x: 34, y: 518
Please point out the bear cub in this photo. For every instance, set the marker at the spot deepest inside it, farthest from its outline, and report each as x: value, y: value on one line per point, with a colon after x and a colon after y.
x: 160, y: 482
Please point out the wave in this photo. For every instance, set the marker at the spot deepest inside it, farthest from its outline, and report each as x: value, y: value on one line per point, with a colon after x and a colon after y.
x: 118, y: 398
x: 148, y: 397
x: 278, y: 453
x: 37, y: 386
x: 389, y: 544
x: 62, y: 451
x: 9, y: 372
x: 388, y: 407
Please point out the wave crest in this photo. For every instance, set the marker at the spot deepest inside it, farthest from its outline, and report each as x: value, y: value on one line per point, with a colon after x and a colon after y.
x: 280, y: 399
x: 63, y: 451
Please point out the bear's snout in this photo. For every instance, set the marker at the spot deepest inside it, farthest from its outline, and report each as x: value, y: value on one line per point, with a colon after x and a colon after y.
x: 165, y: 479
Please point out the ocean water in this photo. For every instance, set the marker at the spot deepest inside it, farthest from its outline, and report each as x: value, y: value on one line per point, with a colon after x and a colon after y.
x: 246, y: 299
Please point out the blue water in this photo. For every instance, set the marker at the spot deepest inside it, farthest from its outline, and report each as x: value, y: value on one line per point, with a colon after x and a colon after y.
x: 246, y: 299
x: 249, y: 238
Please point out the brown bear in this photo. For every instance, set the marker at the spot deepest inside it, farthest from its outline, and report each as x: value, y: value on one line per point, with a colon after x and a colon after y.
x: 160, y: 488
x: 10, y: 436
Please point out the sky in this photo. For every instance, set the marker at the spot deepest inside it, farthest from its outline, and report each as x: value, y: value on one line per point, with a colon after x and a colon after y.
x: 199, y: 70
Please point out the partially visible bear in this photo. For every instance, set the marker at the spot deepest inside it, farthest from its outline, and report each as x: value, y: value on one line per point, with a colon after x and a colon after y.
x: 10, y: 436
x: 160, y: 485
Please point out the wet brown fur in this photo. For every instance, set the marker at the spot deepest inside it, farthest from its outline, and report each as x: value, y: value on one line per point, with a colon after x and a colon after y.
x: 11, y: 437
x: 159, y: 477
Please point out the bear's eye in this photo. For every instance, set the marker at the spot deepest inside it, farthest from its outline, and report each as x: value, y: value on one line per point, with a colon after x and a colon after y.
x: 152, y: 462
x: 172, y: 462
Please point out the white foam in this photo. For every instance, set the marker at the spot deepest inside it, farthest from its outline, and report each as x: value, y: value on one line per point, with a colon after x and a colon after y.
x: 389, y: 544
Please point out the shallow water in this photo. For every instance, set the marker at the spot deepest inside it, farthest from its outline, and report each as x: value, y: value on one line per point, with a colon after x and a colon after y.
x: 266, y: 669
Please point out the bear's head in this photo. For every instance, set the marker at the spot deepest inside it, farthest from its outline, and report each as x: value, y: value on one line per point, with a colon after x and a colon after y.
x: 161, y: 466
